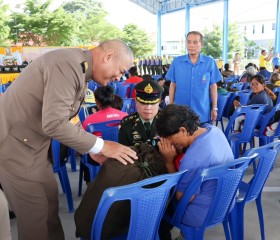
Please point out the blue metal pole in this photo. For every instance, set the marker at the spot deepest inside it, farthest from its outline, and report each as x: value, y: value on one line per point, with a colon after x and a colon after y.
x: 277, y: 32
x: 225, y: 32
x: 159, y: 34
x: 187, y: 23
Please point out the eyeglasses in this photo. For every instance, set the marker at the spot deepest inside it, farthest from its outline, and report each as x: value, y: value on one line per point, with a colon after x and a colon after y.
x: 254, y: 84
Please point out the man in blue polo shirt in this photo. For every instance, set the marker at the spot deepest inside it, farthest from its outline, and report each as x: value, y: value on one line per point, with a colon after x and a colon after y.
x: 193, y: 79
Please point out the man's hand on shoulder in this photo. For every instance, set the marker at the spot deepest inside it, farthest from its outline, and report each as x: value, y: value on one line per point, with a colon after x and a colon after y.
x: 119, y: 152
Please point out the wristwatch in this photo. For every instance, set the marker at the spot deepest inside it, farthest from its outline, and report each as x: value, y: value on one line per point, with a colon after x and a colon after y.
x: 215, y: 109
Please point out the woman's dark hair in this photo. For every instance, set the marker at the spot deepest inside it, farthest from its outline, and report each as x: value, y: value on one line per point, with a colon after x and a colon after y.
x: 174, y: 116
x: 133, y: 71
x: 117, y: 102
x: 104, y: 95
x: 260, y: 79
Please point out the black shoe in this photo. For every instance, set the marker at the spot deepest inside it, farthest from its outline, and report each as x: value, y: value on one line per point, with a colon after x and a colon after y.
x: 12, y: 214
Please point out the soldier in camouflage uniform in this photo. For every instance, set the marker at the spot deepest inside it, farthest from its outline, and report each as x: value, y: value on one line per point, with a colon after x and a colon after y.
x: 140, y: 126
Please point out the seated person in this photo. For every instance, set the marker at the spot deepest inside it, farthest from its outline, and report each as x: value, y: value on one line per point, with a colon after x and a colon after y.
x: 140, y: 126
x: 161, y: 82
x: 112, y: 174
x: 250, y: 72
x: 178, y: 128
x: 105, y: 100
x: 261, y: 95
x: 227, y: 72
x: 276, y: 69
x: 220, y: 87
x: 133, y: 78
x: 264, y: 72
x: 274, y: 81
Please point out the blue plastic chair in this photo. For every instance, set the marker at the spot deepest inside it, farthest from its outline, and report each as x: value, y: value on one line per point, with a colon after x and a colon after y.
x: 122, y: 90
x: 62, y: 173
x: 266, y: 74
x: 266, y: 121
x: 128, y: 105
x: 228, y: 177
x: 72, y: 157
x: 253, y: 113
x: 222, y: 102
x: 83, y: 113
x: 232, y: 78
x: 92, y: 85
x: 243, y: 96
x: 156, y: 77
x: 252, y: 191
x: 237, y: 86
x: 277, y: 91
x: 148, y: 199
x: 108, y: 131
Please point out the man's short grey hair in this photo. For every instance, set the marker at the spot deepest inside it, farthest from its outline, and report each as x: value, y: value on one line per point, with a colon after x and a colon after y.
x: 251, y: 70
x: 121, y: 48
x: 195, y: 33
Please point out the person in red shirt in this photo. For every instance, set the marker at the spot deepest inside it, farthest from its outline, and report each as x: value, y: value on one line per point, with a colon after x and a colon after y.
x: 133, y: 79
x: 109, y: 107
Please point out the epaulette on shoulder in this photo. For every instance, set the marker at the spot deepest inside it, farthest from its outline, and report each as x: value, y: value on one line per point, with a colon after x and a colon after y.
x: 129, y: 118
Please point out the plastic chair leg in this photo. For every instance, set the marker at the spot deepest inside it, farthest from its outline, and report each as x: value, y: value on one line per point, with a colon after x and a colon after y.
x: 67, y: 186
x: 260, y: 213
x: 73, y: 160
x: 236, y: 220
x: 81, y: 179
x: 61, y: 181
x: 226, y: 230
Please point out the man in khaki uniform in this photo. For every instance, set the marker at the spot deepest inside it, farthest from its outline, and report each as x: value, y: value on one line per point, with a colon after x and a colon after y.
x: 36, y: 108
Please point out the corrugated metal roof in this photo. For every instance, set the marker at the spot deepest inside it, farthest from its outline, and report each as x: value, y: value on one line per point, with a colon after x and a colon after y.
x: 167, y: 6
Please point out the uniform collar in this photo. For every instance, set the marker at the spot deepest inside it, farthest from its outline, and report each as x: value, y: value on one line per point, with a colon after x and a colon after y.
x: 201, y: 58
x: 88, y: 57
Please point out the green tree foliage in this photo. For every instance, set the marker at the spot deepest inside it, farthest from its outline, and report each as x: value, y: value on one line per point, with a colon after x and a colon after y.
x: 137, y: 39
x: 4, y: 18
x: 91, y: 24
x: 74, y: 23
x: 38, y: 26
x: 251, y: 48
x: 213, y: 41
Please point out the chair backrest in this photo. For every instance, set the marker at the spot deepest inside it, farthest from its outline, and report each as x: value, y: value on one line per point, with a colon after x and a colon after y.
x: 266, y: 74
x: 222, y: 102
x: 122, y: 89
x: 93, y: 85
x: 227, y: 177
x: 252, y: 113
x: 83, y: 113
x: 148, y: 200
x: 276, y: 91
x: 237, y: 86
x: 56, y: 154
x: 109, y: 130
x: 266, y: 157
x: 267, y: 119
x: 244, y: 96
x: 128, y: 105
x: 232, y: 78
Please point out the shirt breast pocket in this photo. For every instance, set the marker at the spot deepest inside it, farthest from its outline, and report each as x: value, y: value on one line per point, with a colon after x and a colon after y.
x: 204, y: 79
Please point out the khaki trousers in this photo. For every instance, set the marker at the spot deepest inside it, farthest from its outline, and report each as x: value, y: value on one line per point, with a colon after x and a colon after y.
x: 35, y: 205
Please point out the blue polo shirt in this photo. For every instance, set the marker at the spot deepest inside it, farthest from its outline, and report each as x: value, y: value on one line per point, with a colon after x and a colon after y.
x: 201, y: 154
x: 193, y: 82
x: 276, y: 61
